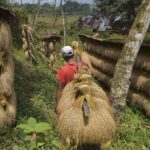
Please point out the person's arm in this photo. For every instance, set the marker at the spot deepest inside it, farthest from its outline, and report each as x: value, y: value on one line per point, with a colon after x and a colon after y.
x: 59, y: 89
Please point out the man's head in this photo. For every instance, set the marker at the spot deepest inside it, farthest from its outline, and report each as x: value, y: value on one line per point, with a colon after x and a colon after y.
x: 67, y: 52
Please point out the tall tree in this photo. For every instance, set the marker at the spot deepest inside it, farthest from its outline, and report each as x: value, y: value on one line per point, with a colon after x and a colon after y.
x: 125, y: 8
x: 121, y: 80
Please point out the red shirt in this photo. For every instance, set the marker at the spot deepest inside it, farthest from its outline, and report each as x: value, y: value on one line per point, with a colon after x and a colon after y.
x: 66, y: 73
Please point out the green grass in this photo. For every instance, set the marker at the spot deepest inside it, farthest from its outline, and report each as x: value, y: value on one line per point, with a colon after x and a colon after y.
x: 133, y: 132
x: 49, y: 20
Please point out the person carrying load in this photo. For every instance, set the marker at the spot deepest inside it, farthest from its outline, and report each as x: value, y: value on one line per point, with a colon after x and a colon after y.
x: 66, y: 73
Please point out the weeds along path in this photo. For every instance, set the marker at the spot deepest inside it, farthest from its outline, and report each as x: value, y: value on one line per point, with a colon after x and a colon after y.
x: 35, y: 90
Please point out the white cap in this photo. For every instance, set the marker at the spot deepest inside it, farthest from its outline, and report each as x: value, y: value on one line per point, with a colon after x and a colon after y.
x: 67, y: 51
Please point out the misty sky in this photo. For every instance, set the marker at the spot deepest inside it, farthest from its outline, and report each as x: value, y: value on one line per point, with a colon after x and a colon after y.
x: 52, y: 1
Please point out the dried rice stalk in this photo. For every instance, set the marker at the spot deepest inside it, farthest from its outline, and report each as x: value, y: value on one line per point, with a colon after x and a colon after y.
x: 27, y: 55
x: 3, y: 60
x: 74, y: 126
x: 103, y: 65
x: 104, y: 51
x: 85, y: 48
x: 141, y: 82
x: 103, y: 78
x: 7, y: 77
x: 75, y: 44
x: 85, y: 58
x: 51, y: 46
x: 23, y: 33
x: 43, y: 43
x: 140, y: 100
x: 5, y: 37
x: 23, y: 39
x: 25, y: 46
x: 7, y: 109
x: 52, y: 57
x: 143, y: 62
x: 43, y: 51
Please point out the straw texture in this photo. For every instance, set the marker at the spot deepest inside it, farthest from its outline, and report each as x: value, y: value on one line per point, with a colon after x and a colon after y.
x: 74, y: 127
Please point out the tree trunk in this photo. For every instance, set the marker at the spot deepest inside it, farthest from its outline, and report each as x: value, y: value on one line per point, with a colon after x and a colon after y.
x: 122, y: 75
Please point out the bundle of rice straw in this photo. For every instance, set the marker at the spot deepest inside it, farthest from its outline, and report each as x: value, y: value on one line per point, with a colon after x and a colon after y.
x: 7, y: 93
x: 7, y: 109
x: 85, y: 114
x: 7, y: 76
x: 52, y: 58
x: 5, y: 36
x: 75, y: 46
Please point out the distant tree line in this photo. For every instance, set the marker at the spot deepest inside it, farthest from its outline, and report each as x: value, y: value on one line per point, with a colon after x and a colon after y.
x: 4, y: 2
x: 70, y: 8
x: 127, y: 9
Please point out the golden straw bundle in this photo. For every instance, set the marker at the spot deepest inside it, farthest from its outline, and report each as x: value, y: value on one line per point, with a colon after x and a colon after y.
x: 52, y: 57
x: 27, y: 54
x: 25, y: 45
x: 143, y: 62
x: 7, y: 93
x: 82, y: 54
x: 85, y: 58
x: 5, y: 37
x: 140, y: 100
x: 104, y: 51
x: 75, y: 46
x: 85, y: 114
x: 102, y: 77
x: 7, y: 109
x: 7, y: 76
x: 51, y: 46
x: 103, y: 65
x: 141, y: 82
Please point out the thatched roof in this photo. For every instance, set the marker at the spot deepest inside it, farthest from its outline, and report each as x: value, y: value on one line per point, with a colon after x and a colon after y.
x: 9, y: 16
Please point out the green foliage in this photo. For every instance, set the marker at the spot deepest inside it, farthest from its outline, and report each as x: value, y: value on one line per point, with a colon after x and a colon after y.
x: 22, y: 13
x: 32, y: 129
x: 16, y: 31
x: 3, y: 2
x: 74, y: 7
x: 17, y: 37
x: 73, y: 30
x: 125, y: 8
x: 30, y: 8
x: 133, y: 131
